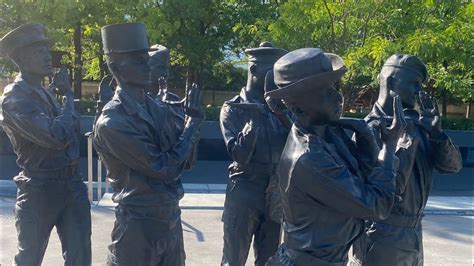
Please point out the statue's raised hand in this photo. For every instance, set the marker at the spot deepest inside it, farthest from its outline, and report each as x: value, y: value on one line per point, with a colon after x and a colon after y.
x: 391, y: 134
x: 107, y: 88
x: 193, y: 101
x: 60, y: 83
x: 162, y: 87
x: 429, y: 119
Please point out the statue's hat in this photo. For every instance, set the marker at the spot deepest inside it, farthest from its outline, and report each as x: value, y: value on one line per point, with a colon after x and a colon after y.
x: 265, y: 53
x: 124, y: 38
x: 160, y: 56
x: 304, y: 70
x: 408, y: 62
x: 22, y: 36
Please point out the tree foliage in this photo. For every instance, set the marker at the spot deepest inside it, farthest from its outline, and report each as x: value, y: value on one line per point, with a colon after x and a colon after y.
x: 365, y: 33
x: 207, y: 37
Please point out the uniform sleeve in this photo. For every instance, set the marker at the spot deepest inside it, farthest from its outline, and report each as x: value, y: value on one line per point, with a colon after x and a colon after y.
x: 405, y: 154
x: 26, y: 119
x: 240, y: 142
x: 447, y: 157
x: 140, y: 153
x: 367, y: 148
x: 330, y: 183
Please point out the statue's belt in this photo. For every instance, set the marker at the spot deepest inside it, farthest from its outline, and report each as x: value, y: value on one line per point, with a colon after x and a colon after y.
x: 403, y: 221
x: 252, y: 167
x: 66, y: 172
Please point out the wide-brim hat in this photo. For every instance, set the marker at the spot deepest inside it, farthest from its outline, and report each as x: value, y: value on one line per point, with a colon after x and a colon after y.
x: 125, y: 38
x: 265, y: 53
x: 305, y: 70
x: 24, y: 35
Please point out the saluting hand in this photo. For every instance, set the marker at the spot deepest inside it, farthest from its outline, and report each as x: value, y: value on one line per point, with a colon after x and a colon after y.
x: 429, y: 119
x: 60, y: 83
x: 391, y: 134
x: 107, y: 88
x: 193, y: 101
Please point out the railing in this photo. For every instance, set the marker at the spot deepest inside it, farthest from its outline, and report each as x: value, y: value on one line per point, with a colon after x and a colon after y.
x: 90, y: 173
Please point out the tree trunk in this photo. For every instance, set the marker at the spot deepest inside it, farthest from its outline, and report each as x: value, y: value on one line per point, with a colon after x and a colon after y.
x: 77, y: 61
x: 102, y: 65
x: 469, y: 108
x: 443, y: 104
x: 192, y: 75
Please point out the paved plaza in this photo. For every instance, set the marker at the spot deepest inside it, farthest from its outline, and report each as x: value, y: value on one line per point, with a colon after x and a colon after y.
x: 448, y: 231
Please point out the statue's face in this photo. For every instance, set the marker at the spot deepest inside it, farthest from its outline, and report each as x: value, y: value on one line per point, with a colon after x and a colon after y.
x: 407, y: 84
x: 322, y: 106
x: 131, y: 68
x: 35, y: 59
x: 258, y: 72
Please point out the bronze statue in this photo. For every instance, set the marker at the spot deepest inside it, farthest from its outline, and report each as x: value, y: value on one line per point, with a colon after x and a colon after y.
x: 254, y: 138
x: 327, y: 192
x: 422, y: 147
x: 145, y: 153
x: 50, y: 188
x: 160, y: 69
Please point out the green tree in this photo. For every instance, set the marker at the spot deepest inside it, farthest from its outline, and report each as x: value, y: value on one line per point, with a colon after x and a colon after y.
x: 366, y: 32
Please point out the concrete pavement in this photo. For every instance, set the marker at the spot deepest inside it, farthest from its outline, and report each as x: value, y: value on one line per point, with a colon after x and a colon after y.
x: 448, y: 236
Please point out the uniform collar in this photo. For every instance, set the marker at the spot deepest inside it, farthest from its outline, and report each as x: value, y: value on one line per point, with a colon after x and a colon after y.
x: 128, y: 103
x: 39, y: 91
x: 24, y: 85
x: 131, y: 106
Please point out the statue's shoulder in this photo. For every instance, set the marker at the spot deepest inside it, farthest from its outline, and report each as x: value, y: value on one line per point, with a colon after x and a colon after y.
x: 112, y: 111
x: 110, y: 119
x: 227, y: 105
x: 14, y: 89
x: 13, y: 94
x: 235, y: 99
x: 112, y: 107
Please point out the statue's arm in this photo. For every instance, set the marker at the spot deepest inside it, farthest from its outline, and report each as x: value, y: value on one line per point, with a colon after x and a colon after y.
x: 24, y: 118
x: 367, y: 149
x: 240, y: 142
x: 447, y: 157
x: 406, y: 156
x: 331, y: 184
x: 141, y: 153
x: 193, y: 155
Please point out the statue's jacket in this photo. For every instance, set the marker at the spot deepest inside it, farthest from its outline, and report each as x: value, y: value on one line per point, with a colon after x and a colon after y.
x: 255, y: 149
x: 419, y: 156
x: 326, y: 195
x: 144, y: 149
x: 44, y: 134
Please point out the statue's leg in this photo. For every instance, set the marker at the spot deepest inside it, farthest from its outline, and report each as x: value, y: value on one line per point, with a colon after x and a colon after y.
x: 240, y: 224
x: 174, y: 254
x: 421, y: 255
x: 384, y: 254
x: 35, y: 215
x: 280, y: 258
x: 130, y: 240
x: 74, y: 227
x: 267, y: 239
